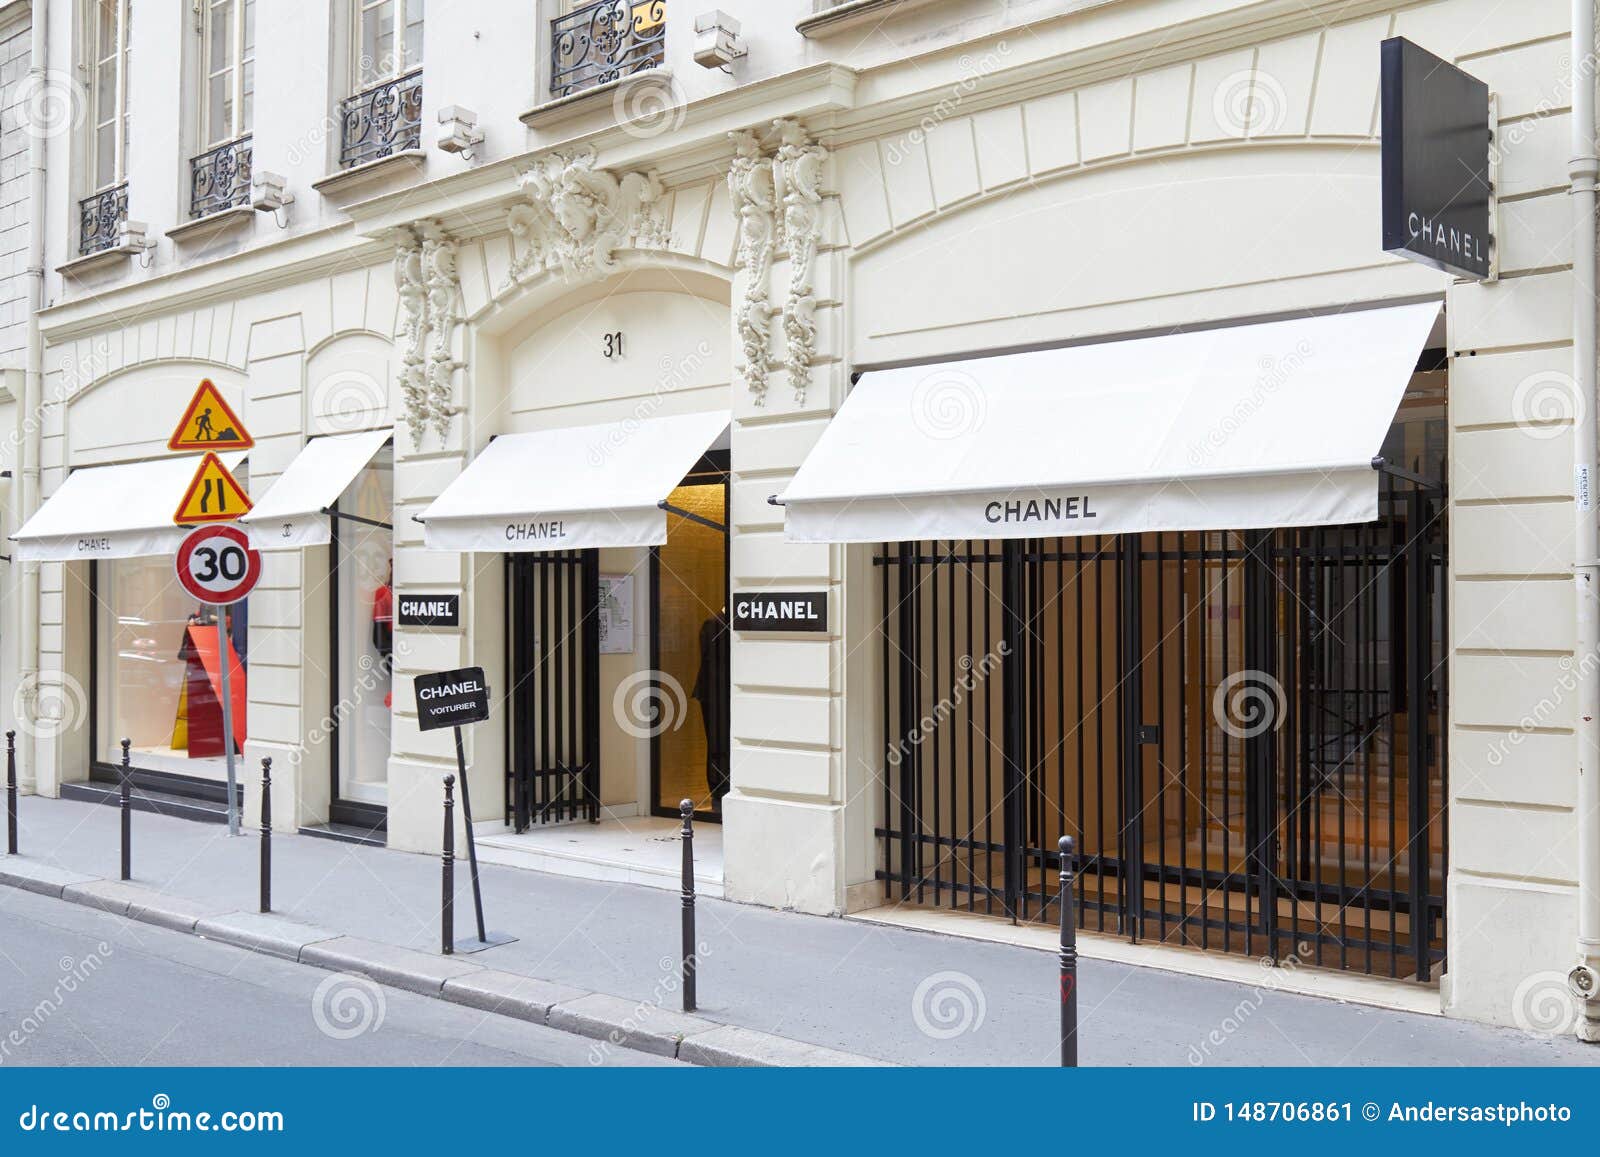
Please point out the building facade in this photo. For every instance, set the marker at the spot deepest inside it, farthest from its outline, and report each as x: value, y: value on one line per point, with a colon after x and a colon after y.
x: 539, y: 312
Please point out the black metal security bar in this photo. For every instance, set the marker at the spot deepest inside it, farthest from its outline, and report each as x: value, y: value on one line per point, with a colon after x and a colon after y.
x: 1242, y: 732
x: 100, y: 216
x: 381, y: 121
x: 220, y: 178
x: 602, y: 42
x: 554, y: 709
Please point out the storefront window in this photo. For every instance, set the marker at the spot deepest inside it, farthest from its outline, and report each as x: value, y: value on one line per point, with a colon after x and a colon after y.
x: 692, y: 650
x: 160, y: 671
x: 364, y: 643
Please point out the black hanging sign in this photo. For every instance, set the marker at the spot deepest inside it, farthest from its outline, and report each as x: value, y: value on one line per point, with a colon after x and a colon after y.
x: 1435, y: 125
x: 451, y: 698
x: 428, y: 610
x: 780, y: 611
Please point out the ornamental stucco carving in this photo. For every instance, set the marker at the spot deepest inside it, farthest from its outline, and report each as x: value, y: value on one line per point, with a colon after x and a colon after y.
x: 575, y: 217
x: 797, y: 181
x: 778, y: 203
x: 427, y: 282
x: 413, y: 292
x: 751, y: 189
x: 443, y: 283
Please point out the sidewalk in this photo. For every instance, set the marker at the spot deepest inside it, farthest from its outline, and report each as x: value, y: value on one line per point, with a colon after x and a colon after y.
x: 893, y: 994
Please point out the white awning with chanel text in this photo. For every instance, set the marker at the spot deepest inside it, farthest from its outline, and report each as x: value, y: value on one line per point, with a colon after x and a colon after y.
x: 572, y: 488
x: 1239, y: 427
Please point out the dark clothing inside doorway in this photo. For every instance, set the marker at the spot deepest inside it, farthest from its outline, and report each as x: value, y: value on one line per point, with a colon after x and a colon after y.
x: 711, y: 690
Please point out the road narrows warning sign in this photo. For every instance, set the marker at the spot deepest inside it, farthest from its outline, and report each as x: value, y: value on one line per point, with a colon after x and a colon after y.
x: 213, y: 496
x: 209, y: 423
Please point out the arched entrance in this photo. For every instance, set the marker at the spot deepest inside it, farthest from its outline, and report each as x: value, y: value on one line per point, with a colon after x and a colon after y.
x: 610, y: 406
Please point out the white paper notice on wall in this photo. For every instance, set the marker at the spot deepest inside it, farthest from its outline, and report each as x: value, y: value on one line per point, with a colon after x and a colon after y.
x: 1580, y: 486
x: 615, y: 611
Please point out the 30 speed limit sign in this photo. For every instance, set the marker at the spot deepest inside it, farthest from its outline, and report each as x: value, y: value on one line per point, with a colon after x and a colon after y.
x: 217, y: 565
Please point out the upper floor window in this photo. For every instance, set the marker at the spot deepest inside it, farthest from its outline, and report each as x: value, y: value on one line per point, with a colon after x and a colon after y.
x: 384, y: 116
x: 388, y: 40
x: 595, y: 43
x: 105, y: 58
x: 228, y: 51
x: 108, y: 39
x: 219, y: 177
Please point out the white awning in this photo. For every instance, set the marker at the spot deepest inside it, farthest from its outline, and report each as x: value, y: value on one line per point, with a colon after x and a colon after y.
x: 122, y: 511
x: 292, y: 512
x: 571, y: 488
x: 1251, y: 426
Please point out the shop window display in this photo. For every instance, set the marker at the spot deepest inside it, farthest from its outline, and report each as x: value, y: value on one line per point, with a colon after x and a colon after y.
x: 160, y: 677
x: 364, y: 647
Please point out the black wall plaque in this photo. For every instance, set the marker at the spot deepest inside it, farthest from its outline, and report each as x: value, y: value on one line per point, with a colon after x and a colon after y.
x: 428, y: 610
x: 780, y: 611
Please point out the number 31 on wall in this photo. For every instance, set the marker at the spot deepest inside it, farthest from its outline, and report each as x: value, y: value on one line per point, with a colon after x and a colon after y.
x: 612, y: 344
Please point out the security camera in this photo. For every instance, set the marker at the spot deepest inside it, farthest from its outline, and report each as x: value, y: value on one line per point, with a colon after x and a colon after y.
x: 458, y: 130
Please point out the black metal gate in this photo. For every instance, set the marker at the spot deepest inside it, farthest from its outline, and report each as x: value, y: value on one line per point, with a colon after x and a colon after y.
x: 553, y: 646
x: 1243, y: 731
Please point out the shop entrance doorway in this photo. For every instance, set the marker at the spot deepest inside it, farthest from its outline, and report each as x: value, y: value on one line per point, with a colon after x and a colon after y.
x: 1242, y: 730
x: 689, y: 644
x: 553, y: 711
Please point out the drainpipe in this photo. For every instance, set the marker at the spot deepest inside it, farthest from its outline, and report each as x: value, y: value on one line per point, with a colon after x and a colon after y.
x: 1584, y: 170
x: 25, y: 489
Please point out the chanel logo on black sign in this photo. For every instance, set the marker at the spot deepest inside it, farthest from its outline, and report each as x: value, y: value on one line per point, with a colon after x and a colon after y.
x: 780, y: 611
x: 451, y: 698
x: 428, y: 610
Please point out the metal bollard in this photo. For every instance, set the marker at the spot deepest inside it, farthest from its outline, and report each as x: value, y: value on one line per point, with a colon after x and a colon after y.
x: 127, y: 812
x: 11, y: 792
x: 447, y: 914
x: 266, y: 833
x: 1069, y: 959
x: 691, y: 961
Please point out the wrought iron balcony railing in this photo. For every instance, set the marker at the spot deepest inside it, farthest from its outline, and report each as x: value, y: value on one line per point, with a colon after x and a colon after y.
x: 381, y: 121
x: 99, y: 216
x: 220, y: 178
x: 602, y: 42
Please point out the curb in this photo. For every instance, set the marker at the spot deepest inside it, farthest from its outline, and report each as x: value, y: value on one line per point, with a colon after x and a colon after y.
x: 612, y: 1020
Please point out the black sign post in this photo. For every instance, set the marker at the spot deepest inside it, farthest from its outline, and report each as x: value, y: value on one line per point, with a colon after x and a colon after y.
x: 1436, y: 187
x: 450, y: 699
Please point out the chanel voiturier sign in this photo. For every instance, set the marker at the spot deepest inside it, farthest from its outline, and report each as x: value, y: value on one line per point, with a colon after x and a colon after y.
x: 451, y: 698
x: 1435, y: 125
x: 780, y: 611
x: 428, y: 610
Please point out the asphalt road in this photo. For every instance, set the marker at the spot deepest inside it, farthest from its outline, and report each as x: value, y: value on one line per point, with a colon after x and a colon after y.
x: 79, y: 987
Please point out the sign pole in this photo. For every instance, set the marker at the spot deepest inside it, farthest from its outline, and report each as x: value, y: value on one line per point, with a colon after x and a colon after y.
x: 472, y: 843
x: 450, y: 699
x: 216, y: 566
x: 225, y: 660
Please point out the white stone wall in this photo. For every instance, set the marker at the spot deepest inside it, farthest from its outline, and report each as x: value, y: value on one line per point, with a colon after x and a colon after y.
x: 292, y: 362
x: 1120, y: 169
x: 1513, y: 828
x: 1131, y: 203
x: 14, y: 136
